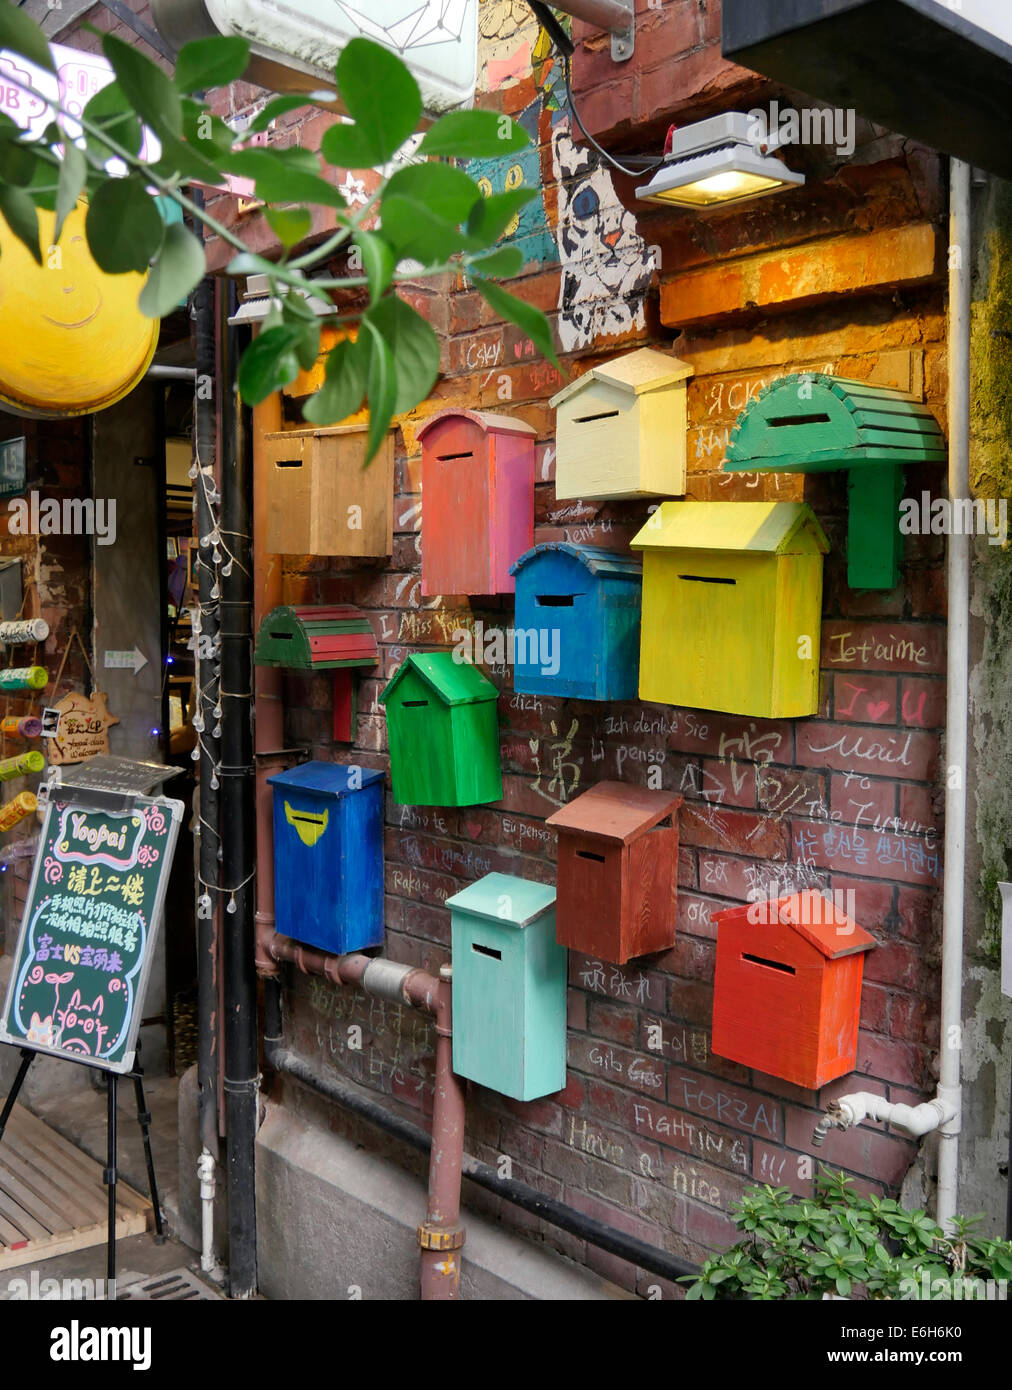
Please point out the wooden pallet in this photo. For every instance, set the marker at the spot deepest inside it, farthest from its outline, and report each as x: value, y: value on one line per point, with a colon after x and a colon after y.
x: 52, y: 1198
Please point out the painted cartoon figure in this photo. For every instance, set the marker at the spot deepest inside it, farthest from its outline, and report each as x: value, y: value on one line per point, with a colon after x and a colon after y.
x: 606, y: 264
x: 41, y: 1031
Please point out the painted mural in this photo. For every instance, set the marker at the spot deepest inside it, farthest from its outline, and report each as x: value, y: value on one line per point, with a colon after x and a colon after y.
x: 606, y: 264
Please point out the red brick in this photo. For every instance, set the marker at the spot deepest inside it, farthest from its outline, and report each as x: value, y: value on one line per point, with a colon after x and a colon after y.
x: 888, y: 1059
x: 722, y: 1103
x: 736, y: 832
x: 618, y: 1065
x: 612, y: 1022
x: 922, y: 702
x: 877, y: 854
x: 913, y: 647
x: 871, y: 752
x: 864, y: 801
x: 866, y: 1148
x: 865, y: 699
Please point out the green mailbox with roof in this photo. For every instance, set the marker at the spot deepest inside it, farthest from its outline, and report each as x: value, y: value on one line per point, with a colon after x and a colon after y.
x: 509, y: 987
x: 443, y: 732
x: 812, y: 423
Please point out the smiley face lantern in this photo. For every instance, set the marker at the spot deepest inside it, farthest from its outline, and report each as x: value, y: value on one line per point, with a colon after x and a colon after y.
x: 74, y: 338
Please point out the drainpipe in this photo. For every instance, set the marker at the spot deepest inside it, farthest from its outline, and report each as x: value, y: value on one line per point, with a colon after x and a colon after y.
x: 440, y: 1236
x: 913, y: 1120
x: 241, y: 1071
x: 957, y: 690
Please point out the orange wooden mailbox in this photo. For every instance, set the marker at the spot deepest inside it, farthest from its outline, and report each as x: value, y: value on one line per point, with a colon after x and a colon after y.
x: 787, y: 988
x: 477, y: 501
x: 618, y: 871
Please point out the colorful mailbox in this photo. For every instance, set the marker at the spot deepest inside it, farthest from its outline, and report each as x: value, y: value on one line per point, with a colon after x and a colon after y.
x: 443, y: 732
x: 328, y: 855
x: 477, y: 501
x: 732, y: 607
x: 818, y: 424
x: 323, y: 501
x: 509, y: 987
x: 618, y: 871
x: 621, y: 429
x: 337, y: 638
x: 577, y: 622
x: 787, y: 988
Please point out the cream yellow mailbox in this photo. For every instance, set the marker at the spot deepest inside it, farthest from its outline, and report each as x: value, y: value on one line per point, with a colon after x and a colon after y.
x: 621, y: 429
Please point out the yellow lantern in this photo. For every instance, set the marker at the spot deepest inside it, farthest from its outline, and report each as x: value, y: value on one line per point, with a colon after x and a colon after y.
x: 74, y: 340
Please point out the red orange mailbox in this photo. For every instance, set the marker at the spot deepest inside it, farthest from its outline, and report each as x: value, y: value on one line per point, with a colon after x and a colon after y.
x: 787, y: 988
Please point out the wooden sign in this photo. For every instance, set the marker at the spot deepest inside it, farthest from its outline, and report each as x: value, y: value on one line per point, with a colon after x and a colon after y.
x: 88, y: 932
x: 84, y: 723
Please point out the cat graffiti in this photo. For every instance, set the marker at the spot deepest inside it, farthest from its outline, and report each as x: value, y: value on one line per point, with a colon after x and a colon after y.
x: 606, y: 265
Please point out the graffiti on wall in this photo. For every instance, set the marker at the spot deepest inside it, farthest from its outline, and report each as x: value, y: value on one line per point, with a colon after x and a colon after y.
x: 606, y: 264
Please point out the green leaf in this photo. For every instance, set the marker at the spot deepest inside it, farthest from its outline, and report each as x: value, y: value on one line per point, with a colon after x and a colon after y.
x: 381, y: 384
x: 383, y: 99
x: 343, y: 386
x: 289, y: 225
x: 268, y: 363
x: 473, y: 135
x: 149, y: 90
x: 307, y: 346
x: 248, y: 263
x: 201, y: 128
x: 417, y: 234
x: 22, y: 218
x: 378, y: 262
x: 22, y: 35
x: 111, y: 112
x: 298, y: 157
x: 490, y: 218
x: 123, y: 226
x: 414, y: 347
x: 18, y: 160
x: 178, y: 268
x: 277, y: 106
x: 447, y: 192
x: 277, y: 182
x: 72, y: 176
x: 528, y: 319
x: 504, y: 263
x: 213, y: 62
x: 183, y: 160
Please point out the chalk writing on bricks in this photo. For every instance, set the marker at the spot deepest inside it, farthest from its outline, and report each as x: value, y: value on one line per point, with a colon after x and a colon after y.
x: 744, y: 1111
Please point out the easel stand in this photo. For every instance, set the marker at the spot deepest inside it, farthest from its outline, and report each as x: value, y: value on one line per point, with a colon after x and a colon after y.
x: 109, y: 1175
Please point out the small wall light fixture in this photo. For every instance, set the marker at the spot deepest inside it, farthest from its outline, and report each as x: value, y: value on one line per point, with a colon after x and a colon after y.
x: 712, y: 163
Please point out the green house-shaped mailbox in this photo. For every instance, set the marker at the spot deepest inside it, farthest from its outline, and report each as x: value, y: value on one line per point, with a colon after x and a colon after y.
x: 443, y: 732
x: 509, y: 987
x: 317, y: 637
x: 814, y: 423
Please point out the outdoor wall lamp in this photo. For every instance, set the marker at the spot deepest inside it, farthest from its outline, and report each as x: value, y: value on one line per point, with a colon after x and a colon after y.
x: 717, y: 162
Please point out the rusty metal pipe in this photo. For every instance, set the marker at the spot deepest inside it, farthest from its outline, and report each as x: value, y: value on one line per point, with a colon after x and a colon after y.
x: 611, y: 15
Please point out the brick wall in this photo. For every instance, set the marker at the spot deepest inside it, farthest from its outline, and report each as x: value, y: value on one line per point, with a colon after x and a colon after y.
x: 658, y: 1140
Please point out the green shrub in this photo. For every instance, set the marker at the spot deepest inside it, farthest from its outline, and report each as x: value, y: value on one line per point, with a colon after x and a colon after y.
x: 838, y: 1242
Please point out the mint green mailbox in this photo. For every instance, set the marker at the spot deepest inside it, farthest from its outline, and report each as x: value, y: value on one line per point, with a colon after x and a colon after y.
x: 509, y: 987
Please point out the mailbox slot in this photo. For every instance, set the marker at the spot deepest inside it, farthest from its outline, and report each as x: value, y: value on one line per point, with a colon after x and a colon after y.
x: 486, y: 951
x: 769, y: 964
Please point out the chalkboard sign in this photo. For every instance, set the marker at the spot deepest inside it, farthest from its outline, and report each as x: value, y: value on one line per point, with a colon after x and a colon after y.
x: 88, y: 933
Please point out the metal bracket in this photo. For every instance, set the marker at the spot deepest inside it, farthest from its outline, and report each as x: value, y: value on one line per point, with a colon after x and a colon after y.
x: 623, y: 42
x: 431, y: 1237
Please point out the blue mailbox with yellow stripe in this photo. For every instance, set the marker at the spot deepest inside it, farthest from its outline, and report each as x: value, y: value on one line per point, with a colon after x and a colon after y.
x: 328, y: 855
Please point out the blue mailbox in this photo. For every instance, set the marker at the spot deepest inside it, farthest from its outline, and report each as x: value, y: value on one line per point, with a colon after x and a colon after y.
x: 509, y: 987
x: 577, y: 622
x: 328, y: 855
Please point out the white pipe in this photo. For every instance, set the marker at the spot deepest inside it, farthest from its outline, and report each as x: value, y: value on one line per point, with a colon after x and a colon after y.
x: 205, y: 1172
x: 913, y: 1120
x: 957, y: 690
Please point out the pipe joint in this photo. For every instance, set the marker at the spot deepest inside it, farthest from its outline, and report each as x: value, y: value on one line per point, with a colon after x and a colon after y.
x: 433, y: 1236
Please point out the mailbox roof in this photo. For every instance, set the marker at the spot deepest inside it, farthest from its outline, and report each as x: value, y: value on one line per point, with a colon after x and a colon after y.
x: 486, y: 420
x: 615, y: 811
x: 778, y: 528
x: 593, y: 558
x: 510, y: 901
x: 326, y: 779
x: 811, y: 915
x: 646, y: 369
x: 455, y: 682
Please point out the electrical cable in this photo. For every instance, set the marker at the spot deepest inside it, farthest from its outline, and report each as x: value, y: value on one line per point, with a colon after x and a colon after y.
x: 648, y: 168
